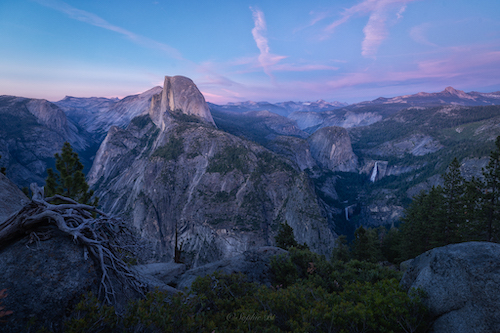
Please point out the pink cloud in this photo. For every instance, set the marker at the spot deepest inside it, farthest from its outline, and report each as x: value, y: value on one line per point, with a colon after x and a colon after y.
x: 266, y: 58
x: 376, y: 30
x: 304, y: 68
x: 459, y: 67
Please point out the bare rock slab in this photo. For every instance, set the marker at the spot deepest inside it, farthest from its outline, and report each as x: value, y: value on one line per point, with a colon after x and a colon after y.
x: 253, y: 263
x: 462, y: 282
x: 43, y: 279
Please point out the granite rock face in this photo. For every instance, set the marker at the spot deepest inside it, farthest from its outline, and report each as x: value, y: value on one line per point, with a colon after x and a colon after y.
x: 11, y: 198
x: 462, y: 283
x: 179, y: 94
x: 331, y: 148
x: 97, y: 114
x: 225, y: 194
x: 295, y: 149
x: 43, y: 279
x: 31, y: 132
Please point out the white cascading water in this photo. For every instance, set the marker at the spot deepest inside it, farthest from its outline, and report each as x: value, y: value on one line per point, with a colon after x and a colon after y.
x: 374, y: 173
x: 347, y: 213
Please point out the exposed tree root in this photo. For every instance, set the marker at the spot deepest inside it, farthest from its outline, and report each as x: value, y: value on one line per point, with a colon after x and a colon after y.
x: 106, y: 238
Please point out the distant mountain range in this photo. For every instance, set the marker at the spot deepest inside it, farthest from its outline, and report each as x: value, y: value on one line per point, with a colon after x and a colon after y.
x: 448, y: 96
x: 388, y: 149
x: 282, y: 108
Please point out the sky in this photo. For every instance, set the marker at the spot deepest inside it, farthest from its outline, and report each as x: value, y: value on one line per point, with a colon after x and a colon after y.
x: 237, y: 50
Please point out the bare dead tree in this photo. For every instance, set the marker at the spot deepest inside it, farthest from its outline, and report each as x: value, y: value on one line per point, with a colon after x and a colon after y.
x: 177, y: 249
x: 106, y: 238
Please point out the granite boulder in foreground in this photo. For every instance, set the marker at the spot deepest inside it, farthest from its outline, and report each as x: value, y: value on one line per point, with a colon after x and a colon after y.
x: 462, y: 282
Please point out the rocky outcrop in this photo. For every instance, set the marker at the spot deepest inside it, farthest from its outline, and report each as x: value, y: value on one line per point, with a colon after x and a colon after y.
x: 415, y: 144
x: 225, y: 194
x: 96, y: 114
x: 31, y: 132
x: 331, y: 148
x: 11, y: 198
x: 253, y: 263
x: 462, y: 284
x: 310, y: 121
x: 179, y: 94
x: 295, y: 149
x: 43, y: 279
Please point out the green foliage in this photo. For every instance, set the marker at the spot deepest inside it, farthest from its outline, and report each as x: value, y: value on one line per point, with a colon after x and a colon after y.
x: 326, y: 297
x: 141, y: 121
x: 391, y: 244
x: 91, y: 316
x: 171, y: 150
x: 183, y: 117
x: 341, y: 251
x: 268, y: 163
x: 229, y: 159
x: 366, y: 245
x: 491, y: 207
x: 459, y: 211
x: 285, y: 238
x: 69, y: 180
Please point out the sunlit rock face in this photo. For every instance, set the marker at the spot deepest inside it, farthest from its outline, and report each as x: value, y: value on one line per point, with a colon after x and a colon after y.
x: 179, y: 94
x: 331, y: 148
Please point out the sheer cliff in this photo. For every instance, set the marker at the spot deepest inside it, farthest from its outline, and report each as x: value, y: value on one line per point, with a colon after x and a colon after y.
x: 173, y: 169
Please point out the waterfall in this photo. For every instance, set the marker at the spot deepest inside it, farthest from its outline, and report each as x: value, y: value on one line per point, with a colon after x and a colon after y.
x: 347, y: 213
x: 374, y: 173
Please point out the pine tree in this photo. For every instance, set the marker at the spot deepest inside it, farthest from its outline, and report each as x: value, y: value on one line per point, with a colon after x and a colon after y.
x: 491, y: 206
x: 285, y: 238
x: 366, y: 245
x: 391, y: 244
x: 341, y: 250
x: 69, y: 180
x: 453, y: 192
x: 424, y: 224
x: 473, y: 201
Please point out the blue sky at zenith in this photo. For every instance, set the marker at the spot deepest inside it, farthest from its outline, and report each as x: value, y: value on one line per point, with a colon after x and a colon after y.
x: 238, y: 50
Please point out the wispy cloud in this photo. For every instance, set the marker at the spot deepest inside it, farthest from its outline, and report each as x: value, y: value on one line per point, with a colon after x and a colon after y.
x: 304, y: 68
x: 418, y: 34
x: 266, y: 58
x: 376, y: 30
x: 95, y: 20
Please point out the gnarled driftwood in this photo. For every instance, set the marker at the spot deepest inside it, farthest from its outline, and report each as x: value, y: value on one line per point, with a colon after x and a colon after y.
x: 106, y: 238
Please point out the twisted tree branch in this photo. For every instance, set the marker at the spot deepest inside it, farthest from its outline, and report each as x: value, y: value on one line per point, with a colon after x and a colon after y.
x: 106, y: 238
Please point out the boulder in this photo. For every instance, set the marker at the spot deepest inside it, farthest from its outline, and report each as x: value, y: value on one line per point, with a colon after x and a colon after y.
x: 166, y: 272
x: 462, y: 282
x: 331, y: 148
x: 11, y: 198
x: 43, y: 279
x: 253, y: 263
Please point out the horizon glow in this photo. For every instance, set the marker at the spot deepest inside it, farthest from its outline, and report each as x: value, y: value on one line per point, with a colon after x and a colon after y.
x: 234, y: 51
